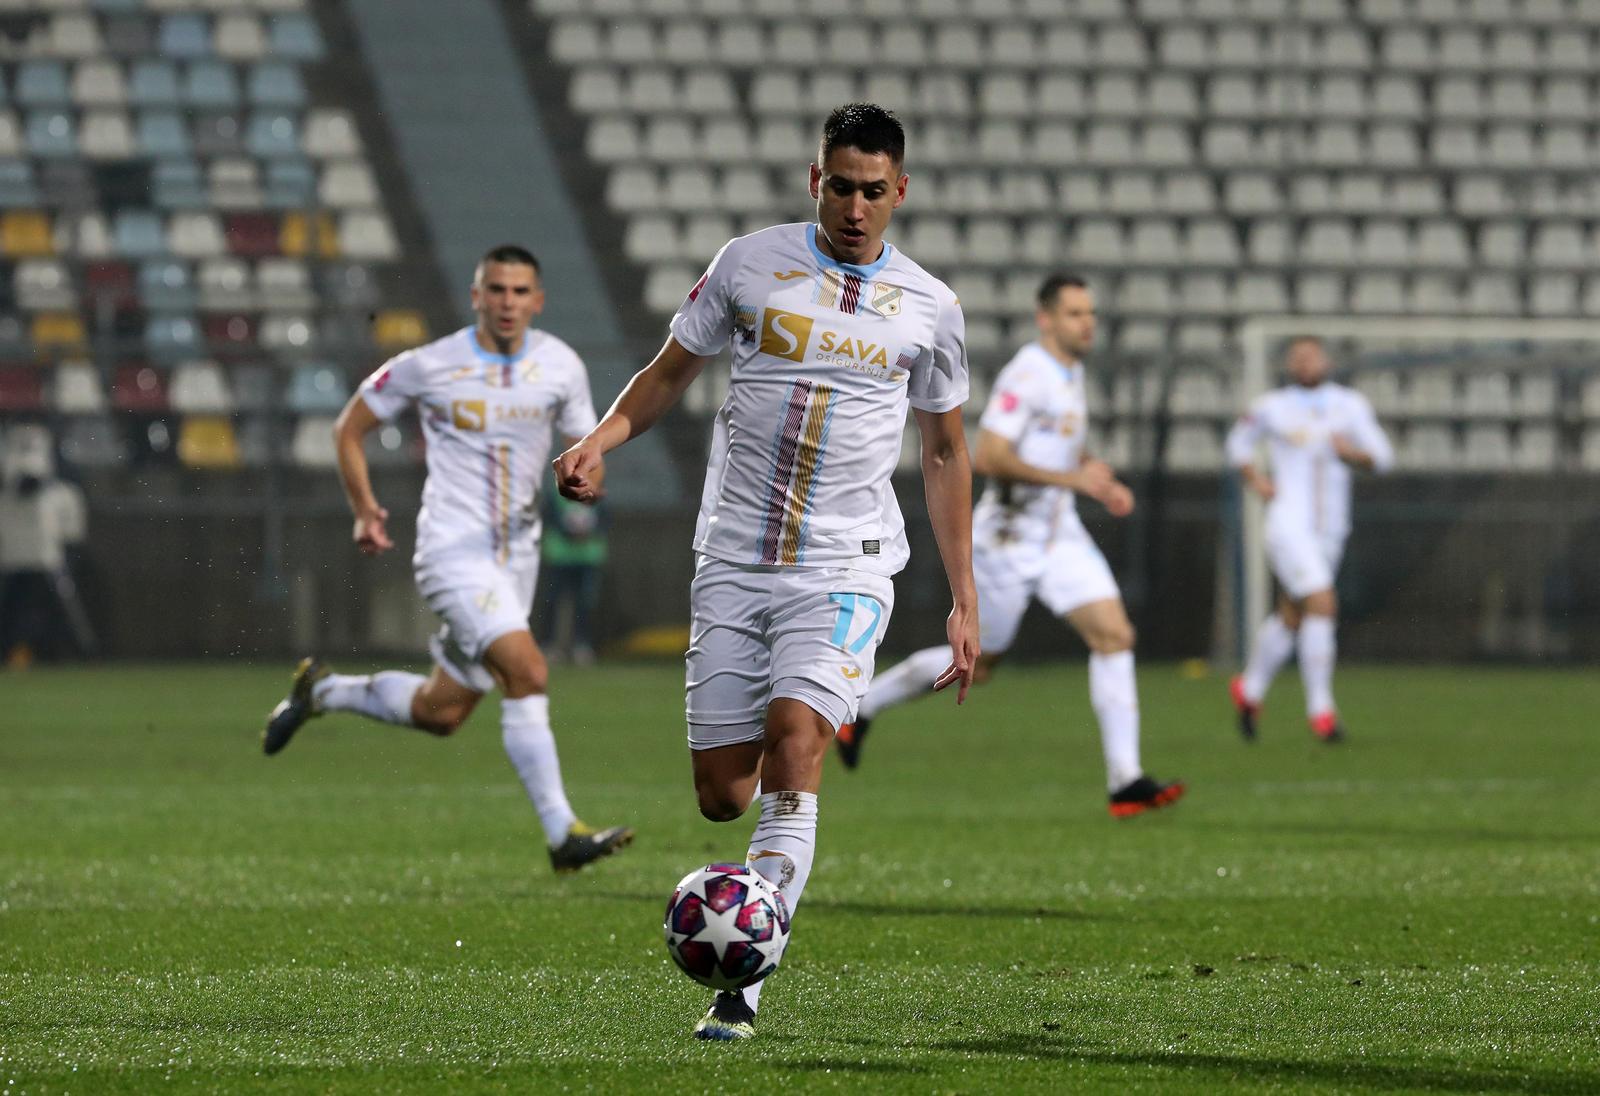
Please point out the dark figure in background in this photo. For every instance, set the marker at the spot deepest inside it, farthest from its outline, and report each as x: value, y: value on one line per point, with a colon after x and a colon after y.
x: 574, y: 555
x: 42, y: 518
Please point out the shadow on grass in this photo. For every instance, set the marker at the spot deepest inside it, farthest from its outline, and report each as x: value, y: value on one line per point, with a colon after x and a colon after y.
x: 1424, y: 834
x: 1216, y: 1069
x: 990, y: 911
x: 841, y: 1065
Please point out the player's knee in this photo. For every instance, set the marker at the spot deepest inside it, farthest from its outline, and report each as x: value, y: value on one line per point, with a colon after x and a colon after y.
x: 442, y: 721
x: 718, y: 805
x: 1113, y: 639
x: 526, y: 680
x: 1323, y: 603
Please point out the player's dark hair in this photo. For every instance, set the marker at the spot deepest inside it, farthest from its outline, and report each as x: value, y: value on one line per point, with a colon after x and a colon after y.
x: 864, y: 126
x: 509, y: 253
x: 1051, y: 287
x: 1295, y: 340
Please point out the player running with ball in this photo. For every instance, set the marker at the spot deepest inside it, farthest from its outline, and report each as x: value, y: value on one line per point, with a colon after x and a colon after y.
x: 833, y: 333
x: 1316, y: 432
x: 1029, y: 542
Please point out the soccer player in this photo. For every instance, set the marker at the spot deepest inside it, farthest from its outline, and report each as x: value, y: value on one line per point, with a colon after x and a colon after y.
x: 489, y: 397
x: 832, y: 333
x: 1028, y: 542
x: 1316, y: 432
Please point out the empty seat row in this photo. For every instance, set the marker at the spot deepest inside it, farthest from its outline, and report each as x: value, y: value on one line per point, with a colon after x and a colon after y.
x: 138, y: 234
x: 225, y: 183
x: 153, y: 82
x: 238, y: 35
x: 898, y: 43
x: 113, y: 134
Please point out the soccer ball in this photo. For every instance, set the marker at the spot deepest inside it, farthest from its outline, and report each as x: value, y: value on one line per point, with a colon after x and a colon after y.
x: 726, y: 926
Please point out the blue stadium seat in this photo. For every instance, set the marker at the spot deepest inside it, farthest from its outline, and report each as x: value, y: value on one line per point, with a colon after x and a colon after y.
x: 17, y: 187
x: 177, y: 185
x: 291, y: 184
x: 185, y: 35
x: 139, y: 234
x: 52, y: 133
x: 211, y: 85
x: 318, y: 388
x: 43, y: 84
x: 166, y: 285
x: 295, y: 36
x: 276, y: 85
x: 172, y: 337
x: 153, y: 84
x: 162, y: 133
x: 273, y: 133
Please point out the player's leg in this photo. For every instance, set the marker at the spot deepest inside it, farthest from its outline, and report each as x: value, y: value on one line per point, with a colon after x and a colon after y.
x: 1318, y: 653
x: 388, y: 696
x: 1005, y: 582
x: 518, y: 667
x: 1272, y: 646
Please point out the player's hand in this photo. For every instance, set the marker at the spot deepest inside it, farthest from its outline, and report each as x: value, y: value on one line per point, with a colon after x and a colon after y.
x: 1119, y: 500
x: 1347, y: 450
x: 580, y: 471
x: 961, y: 628
x: 370, y: 535
x: 1095, y: 479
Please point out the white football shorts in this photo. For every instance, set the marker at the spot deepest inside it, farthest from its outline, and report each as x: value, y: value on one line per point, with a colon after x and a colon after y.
x: 1067, y: 574
x: 760, y: 633
x: 1304, y: 562
x: 479, y: 600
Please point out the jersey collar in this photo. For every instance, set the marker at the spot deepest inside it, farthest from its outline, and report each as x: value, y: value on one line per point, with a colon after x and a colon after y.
x: 498, y: 359
x: 828, y: 262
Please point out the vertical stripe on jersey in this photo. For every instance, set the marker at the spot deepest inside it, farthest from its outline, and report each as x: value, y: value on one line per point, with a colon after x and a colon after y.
x: 813, y: 444
x: 783, y: 454
x: 500, y: 500
x: 839, y: 291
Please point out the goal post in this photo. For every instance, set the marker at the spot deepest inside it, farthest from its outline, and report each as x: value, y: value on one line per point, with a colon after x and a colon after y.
x: 1244, y: 584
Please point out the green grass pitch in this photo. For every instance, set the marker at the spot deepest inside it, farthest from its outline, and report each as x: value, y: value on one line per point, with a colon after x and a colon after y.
x: 1417, y: 911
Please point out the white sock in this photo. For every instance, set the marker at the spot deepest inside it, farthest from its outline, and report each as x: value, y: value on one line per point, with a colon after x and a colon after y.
x: 782, y: 849
x: 1318, y: 650
x: 1273, y: 645
x: 1116, y: 702
x: 525, y: 729
x: 386, y: 696
x: 911, y: 678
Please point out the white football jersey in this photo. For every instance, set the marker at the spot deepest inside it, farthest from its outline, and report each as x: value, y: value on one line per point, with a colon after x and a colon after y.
x: 1298, y: 425
x: 826, y: 356
x: 488, y: 419
x: 1040, y: 405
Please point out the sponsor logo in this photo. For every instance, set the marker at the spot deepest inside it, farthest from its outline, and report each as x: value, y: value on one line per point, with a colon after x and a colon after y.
x: 698, y: 286
x: 886, y: 298
x: 470, y: 415
x: 461, y: 373
x: 869, y: 547
x: 381, y: 379
x: 788, y: 275
x: 785, y: 334
x: 850, y: 672
x: 529, y: 370
x: 858, y: 350
x: 785, y: 862
x: 1068, y: 425
x: 1009, y: 401
x: 487, y: 601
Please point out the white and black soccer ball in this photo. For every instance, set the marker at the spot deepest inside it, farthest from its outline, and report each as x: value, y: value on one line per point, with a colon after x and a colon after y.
x: 726, y: 926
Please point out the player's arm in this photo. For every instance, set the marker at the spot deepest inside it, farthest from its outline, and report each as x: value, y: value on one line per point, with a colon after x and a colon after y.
x: 997, y: 458
x: 947, y: 483
x: 653, y: 390
x: 1241, y: 450
x: 355, y: 422
x: 1367, y: 447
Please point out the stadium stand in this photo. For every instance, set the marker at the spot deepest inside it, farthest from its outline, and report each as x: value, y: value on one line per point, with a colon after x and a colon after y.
x: 1202, y: 161
x: 192, y: 229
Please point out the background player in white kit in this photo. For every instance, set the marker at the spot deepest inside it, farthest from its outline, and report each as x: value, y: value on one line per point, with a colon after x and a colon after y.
x: 1028, y: 542
x: 832, y: 333
x: 1316, y: 432
x: 489, y: 397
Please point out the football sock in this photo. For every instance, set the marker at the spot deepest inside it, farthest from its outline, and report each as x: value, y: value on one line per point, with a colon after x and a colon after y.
x: 386, y: 696
x: 910, y: 678
x: 1274, y: 643
x: 1116, y: 702
x: 782, y: 849
x: 525, y: 729
x: 1318, y: 649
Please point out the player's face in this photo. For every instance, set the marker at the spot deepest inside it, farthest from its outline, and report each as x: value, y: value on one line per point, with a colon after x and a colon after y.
x: 1069, y: 322
x: 856, y: 192
x: 506, y: 297
x: 1307, y: 363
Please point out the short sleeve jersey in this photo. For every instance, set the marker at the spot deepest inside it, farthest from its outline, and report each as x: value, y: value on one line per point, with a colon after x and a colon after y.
x: 1298, y: 425
x: 488, y: 420
x: 826, y: 358
x: 1040, y: 405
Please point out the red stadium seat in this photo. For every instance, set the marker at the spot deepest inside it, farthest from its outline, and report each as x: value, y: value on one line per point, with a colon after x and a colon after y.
x: 139, y: 388
x: 251, y: 235
x: 21, y: 389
